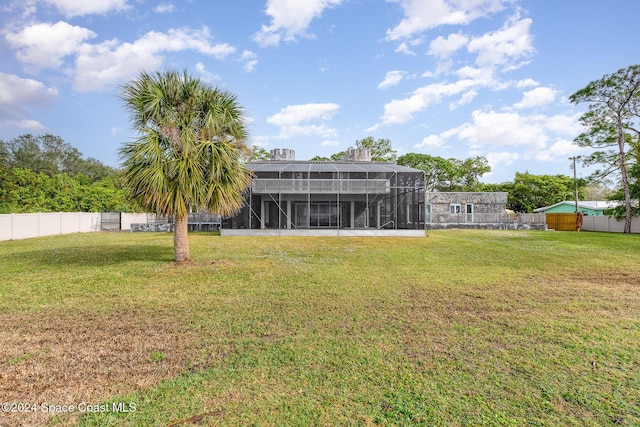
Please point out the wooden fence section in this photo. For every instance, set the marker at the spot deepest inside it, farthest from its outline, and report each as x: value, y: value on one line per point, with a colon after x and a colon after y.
x: 564, y: 221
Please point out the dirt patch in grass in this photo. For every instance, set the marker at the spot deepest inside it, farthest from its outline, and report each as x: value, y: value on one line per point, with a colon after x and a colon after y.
x: 65, y: 359
x: 200, y: 264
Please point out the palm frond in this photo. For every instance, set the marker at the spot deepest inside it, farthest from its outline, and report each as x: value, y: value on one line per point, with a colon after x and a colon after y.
x: 188, y: 155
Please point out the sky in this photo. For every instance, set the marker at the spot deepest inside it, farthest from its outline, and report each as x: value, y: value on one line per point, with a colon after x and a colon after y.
x: 448, y: 78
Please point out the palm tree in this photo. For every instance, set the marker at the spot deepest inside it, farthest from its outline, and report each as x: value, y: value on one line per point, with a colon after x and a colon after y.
x: 188, y: 153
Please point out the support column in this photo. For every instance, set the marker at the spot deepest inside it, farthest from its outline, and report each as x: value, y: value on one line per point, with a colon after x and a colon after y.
x: 353, y: 214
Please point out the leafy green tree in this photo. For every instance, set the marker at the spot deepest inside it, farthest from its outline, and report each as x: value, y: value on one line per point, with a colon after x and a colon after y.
x: 448, y: 174
x: 338, y: 156
x: 4, y: 155
x: 50, y: 155
x: 471, y: 170
x: 634, y: 191
x: 105, y: 195
x: 46, y: 154
x: 535, y: 191
x: 95, y: 170
x: 597, y: 191
x: 188, y: 154
x: 380, y: 149
x: 259, y: 153
x: 22, y: 190
x: 613, y: 126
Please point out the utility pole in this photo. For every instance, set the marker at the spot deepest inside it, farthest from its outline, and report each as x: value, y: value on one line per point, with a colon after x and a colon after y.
x: 575, y: 181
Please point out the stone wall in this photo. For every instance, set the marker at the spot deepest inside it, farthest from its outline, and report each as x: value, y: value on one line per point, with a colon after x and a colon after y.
x: 159, y: 226
x: 483, y: 203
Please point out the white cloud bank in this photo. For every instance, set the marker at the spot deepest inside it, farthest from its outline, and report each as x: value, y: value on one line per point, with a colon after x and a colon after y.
x: 18, y: 96
x: 297, y: 120
x: 423, y: 15
x: 290, y: 19
x: 101, y: 66
x: 71, y: 8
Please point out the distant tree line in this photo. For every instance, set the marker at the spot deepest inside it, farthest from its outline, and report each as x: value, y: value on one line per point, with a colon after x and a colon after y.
x: 525, y: 193
x: 45, y: 174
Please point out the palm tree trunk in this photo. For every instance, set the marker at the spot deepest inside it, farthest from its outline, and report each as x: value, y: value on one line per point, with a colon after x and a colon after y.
x: 180, y: 239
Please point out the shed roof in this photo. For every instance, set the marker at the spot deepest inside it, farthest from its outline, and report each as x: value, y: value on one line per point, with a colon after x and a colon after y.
x: 309, y: 166
x: 596, y: 205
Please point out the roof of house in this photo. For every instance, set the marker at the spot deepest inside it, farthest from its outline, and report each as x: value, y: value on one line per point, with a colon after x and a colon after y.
x: 597, y: 205
x: 338, y: 166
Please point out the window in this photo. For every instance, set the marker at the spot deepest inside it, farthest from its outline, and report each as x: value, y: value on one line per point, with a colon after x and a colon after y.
x: 455, y: 208
x: 320, y: 215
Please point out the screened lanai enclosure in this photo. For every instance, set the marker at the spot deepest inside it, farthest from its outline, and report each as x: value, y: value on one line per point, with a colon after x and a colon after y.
x: 346, y: 197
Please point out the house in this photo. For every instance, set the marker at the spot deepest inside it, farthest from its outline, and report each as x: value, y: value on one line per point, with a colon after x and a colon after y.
x: 356, y: 197
x: 351, y: 197
x: 590, y: 208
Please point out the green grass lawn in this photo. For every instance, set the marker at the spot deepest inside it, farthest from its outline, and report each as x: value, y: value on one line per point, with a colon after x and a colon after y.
x: 458, y: 328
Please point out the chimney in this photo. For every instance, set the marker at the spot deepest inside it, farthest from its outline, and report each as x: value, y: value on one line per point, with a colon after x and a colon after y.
x: 284, y: 154
x: 358, y: 155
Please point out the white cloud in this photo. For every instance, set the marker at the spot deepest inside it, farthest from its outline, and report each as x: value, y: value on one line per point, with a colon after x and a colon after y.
x: 529, y: 133
x: 431, y: 142
x: 405, y: 49
x: 509, y: 47
x: 330, y: 143
x: 179, y: 39
x: 505, y: 48
x: 392, y: 78
x: 71, y: 8
x: 526, y: 83
x: 165, y: 8
x: 206, y: 75
x: 564, y: 124
x: 293, y: 120
x: 250, y: 60
x: 99, y: 67
x: 423, y: 15
x: 501, y: 158
x: 560, y: 151
x: 290, y: 19
x: 400, y: 111
x: 465, y: 99
x: 537, y: 97
x: 445, y: 47
x: 26, y: 125
x: 18, y: 96
x: 46, y: 45
x: 490, y: 128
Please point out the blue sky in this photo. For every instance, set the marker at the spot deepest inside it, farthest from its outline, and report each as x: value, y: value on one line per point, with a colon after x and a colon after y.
x: 450, y: 78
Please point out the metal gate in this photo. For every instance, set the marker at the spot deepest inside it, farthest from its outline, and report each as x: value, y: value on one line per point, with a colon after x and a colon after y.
x: 111, y: 221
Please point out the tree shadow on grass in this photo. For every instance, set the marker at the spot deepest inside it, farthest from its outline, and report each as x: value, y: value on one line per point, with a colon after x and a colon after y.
x: 96, y: 255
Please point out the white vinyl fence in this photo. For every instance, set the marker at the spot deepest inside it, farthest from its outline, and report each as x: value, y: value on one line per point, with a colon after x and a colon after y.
x: 28, y: 225
x: 607, y: 224
x: 25, y: 226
